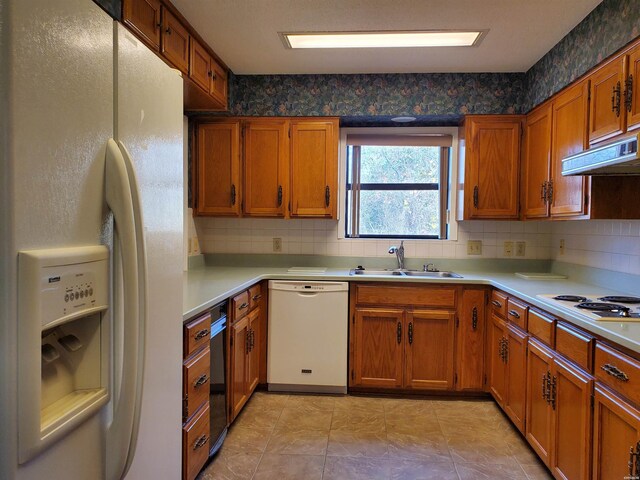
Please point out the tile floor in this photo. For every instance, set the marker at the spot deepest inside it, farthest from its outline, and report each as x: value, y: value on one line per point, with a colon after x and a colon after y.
x: 309, y: 437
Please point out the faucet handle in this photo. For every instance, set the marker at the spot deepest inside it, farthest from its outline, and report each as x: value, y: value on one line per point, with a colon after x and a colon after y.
x: 429, y: 267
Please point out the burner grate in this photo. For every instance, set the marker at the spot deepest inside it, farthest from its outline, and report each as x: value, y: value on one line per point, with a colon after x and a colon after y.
x: 602, y: 307
x: 620, y: 299
x: 571, y: 298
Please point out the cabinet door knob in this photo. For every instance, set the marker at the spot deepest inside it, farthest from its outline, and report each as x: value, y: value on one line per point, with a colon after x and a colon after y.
x: 279, y: 195
x: 168, y: 31
x: 615, y: 99
x: 327, y: 196
x: 475, y: 196
x: 399, y: 332
x: 233, y: 194
x: 410, y: 333
x: 474, y: 318
x: 628, y: 93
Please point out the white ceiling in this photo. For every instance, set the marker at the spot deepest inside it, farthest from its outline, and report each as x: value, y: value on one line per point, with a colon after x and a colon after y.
x: 244, y: 33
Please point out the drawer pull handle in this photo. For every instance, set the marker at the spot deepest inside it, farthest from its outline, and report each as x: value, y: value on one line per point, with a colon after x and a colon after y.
x: 201, y: 334
x: 496, y: 303
x: 256, y: 297
x: 201, y: 442
x: 243, y: 306
x: 615, y: 372
x: 202, y: 379
x: 513, y: 313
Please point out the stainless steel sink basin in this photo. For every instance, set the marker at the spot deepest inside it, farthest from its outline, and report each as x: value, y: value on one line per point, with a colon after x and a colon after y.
x: 413, y: 273
x: 403, y: 273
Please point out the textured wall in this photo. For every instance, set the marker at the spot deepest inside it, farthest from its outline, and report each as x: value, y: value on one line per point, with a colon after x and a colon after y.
x: 377, y: 95
x: 609, y: 27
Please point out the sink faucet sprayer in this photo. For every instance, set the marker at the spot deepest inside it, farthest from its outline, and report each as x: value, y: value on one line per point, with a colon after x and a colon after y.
x: 399, y: 251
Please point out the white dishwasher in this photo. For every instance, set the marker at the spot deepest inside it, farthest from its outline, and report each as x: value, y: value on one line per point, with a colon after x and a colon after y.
x: 307, y: 336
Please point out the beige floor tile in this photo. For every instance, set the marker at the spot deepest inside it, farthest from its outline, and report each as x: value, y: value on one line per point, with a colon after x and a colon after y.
x: 292, y: 418
x: 358, y: 420
x: 350, y: 402
x: 290, y: 467
x: 247, y: 439
x: 478, y: 471
x: 296, y: 441
x: 254, y: 417
x: 231, y: 466
x: 537, y: 472
x: 480, y: 449
x: 355, y: 468
x: 523, y: 453
x: 410, y: 407
x: 344, y: 443
x: 412, y: 424
x: 420, y: 470
x: 431, y: 446
x: 269, y: 400
x: 312, y: 402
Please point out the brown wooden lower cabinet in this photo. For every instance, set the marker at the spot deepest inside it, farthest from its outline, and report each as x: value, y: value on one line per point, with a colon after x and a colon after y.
x: 558, y: 421
x: 496, y: 359
x: 195, y: 444
x: 616, y: 437
x: 470, y: 340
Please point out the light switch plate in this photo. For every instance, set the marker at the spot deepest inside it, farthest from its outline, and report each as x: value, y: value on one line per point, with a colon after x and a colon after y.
x: 508, y: 249
x: 474, y: 247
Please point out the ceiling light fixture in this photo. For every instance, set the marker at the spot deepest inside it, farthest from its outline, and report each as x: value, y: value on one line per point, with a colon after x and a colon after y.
x: 383, y: 39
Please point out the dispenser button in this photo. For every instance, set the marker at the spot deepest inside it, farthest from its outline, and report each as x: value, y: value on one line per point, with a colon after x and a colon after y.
x: 66, y: 297
x: 77, y: 295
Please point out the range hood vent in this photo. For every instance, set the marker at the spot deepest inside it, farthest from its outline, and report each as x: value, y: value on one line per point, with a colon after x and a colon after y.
x: 617, y: 158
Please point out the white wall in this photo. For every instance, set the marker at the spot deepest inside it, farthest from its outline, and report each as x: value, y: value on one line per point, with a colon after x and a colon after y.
x: 320, y: 237
x: 612, y: 245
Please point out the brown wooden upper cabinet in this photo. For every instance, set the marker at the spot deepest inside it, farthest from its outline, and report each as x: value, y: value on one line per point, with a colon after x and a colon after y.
x: 175, y: 41
x: 266, y: 155
x: 143, y: 17
x: 615, y: 107
x: 207, y: 73
x: 314, y: 168
x: 536, y: 162
x: 491, y: 166
x: 218, y: 189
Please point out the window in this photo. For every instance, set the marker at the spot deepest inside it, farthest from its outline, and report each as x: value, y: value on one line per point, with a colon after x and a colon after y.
x: 397, y: 185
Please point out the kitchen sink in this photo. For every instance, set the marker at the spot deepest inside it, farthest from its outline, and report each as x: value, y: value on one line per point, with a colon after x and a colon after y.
x: 403, y: 273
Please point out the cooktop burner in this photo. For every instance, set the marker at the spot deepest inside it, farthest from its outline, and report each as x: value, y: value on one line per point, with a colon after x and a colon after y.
x: 602, y: 307
x: 620, y: 299
x: 570, y: 298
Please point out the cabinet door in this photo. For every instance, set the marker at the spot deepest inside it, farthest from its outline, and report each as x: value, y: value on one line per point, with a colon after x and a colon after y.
x: 199, y: 65
x: 470, y: 341
x: 314, y: 168
x: 239, y: 366
x: 537, y: 162
x: 493, y: 158
x: 569, y: 137
x: 538, y: 419
x: 632, y: 90
x: 429, y: 349
x: 616, y: 431
x: 253, y: 375
x: 607, y: 113
x: 515, y: 402
x: 495, y: 358
x: 175, y: 41
x: 571, y: 406
x: 219, y: 84
x: 218, y: 191
x: 143, y: 17
x: 378, y: 344
x: 266, y: 155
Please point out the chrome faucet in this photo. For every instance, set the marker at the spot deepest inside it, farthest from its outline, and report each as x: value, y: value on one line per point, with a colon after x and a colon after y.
x: 399, y: 251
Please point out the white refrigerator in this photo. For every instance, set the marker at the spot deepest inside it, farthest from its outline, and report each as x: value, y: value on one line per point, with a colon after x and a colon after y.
x: 71, y: 79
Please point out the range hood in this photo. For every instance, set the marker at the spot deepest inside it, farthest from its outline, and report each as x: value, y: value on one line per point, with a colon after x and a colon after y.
x: 617, y: 158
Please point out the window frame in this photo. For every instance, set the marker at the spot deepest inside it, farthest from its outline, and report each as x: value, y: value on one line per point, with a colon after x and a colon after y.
x: 448, y: 195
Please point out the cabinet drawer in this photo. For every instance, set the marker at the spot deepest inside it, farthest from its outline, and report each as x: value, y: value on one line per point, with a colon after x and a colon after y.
x: 541, y: 327
x: 195, y: 444
x: 444, y: 297
x: 517, y: 313
x: 618, y: 371
x: 195, y: 382
x: 196, y: 334
x: 240, y: 305
x: 574, y: 345
x: 255, y: 294
x: 499, y: 304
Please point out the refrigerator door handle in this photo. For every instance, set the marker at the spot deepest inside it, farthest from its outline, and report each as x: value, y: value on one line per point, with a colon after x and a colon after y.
x: 141, y: 249
x: 118, y: 192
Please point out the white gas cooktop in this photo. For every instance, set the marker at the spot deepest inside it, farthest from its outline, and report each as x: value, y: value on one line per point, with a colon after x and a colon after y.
x: 612, y: 308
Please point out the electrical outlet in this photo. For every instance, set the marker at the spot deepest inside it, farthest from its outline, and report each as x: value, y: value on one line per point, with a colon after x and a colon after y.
x: 474, y: 247
x: 277, y: 244
x: 562, y: 246
x: 508, y: 249
x: 521, y: 249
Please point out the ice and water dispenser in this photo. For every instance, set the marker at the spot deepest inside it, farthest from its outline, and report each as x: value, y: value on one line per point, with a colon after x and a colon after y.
x: 63, y: 342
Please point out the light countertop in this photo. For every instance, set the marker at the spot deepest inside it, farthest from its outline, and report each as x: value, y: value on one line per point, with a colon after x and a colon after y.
x: 206, y: 286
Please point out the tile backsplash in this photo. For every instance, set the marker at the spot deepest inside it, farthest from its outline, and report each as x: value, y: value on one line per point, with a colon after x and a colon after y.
x: 320, y: 237
x: 609, y: 244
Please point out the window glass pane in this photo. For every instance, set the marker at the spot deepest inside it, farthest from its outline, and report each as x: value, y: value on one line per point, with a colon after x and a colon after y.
x: 400, y: 212
x: 399, y: 164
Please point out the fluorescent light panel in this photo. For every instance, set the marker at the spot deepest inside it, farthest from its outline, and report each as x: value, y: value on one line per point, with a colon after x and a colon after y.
x: 382, y: 39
